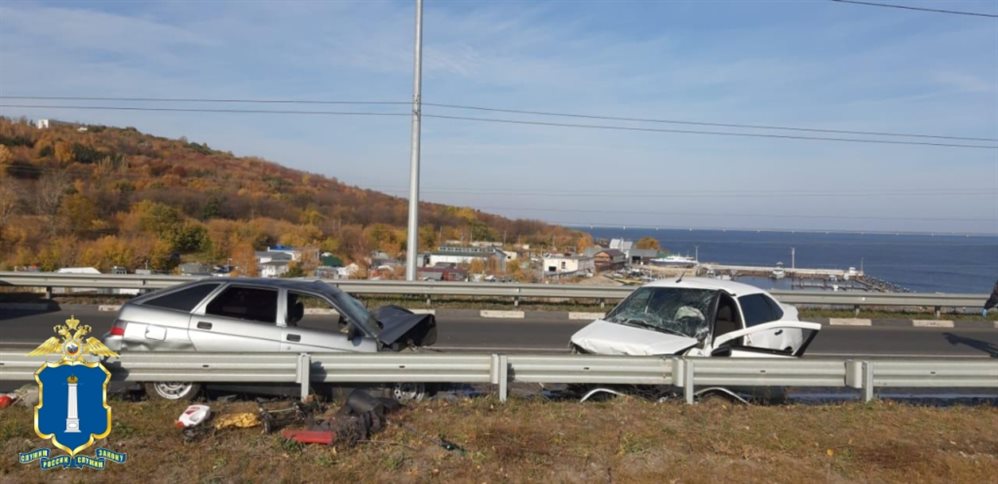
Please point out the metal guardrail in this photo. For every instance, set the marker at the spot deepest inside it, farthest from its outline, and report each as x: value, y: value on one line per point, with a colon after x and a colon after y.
x: 683, y: 374
x: 485, y: 289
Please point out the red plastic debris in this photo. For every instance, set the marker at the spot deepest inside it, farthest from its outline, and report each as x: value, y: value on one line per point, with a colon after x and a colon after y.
x: 324, y: 437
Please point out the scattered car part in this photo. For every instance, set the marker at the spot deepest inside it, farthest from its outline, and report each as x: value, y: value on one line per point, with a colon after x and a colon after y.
x: 7, y: 400
x: 193, y: 416
x: 297, y: 413
x: 600, y: 390
x: 324, y: 437
x: 243, y: 420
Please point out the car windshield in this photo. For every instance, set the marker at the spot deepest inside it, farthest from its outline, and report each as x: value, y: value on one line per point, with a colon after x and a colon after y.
x: 356, y: 312
x: 673, y: 310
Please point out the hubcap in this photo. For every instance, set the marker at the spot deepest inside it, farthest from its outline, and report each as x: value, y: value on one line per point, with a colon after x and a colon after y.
x: 172, y: 390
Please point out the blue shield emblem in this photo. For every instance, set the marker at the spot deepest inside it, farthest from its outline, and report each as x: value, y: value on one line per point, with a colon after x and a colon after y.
x: 72, y: 407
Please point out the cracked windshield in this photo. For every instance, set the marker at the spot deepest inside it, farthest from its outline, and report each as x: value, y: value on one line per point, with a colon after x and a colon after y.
x: 683, y: 312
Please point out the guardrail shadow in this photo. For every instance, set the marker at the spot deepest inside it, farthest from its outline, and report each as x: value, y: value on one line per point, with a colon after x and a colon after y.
x: 27, y: 308
x: 984, y: 346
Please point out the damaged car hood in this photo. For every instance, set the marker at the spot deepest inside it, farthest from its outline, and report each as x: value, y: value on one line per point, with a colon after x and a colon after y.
x: 401, y: 327
x: 605, y: 338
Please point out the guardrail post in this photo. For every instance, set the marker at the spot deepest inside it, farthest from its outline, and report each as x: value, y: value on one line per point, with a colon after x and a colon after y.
x: 500, y: 375
x: 48, y: 293
x: 855, y: 310
x: 688, y: 381
x: 428, y: 300
x: 867, y: 381
x: 602, y: 303
x: 304, y: 373
x: 939, y: 311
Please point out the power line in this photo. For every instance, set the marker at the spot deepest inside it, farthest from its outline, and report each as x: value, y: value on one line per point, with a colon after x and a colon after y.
x: 203, y: 110
x: 705, y: 123
x: 198, y: 100
x: 502, y: 110
x: 698, y: 132
x: 921, y: 9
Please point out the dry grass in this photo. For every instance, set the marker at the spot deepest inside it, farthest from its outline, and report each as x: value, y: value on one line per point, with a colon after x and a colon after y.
x: 624, y: 440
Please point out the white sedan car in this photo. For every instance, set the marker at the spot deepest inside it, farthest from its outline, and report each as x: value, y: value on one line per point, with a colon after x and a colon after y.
x: 698, y: 317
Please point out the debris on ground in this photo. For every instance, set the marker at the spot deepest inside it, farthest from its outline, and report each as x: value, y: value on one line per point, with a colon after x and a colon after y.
x: 7, y: 399
x: 242, y: 420
x: 361, y: 416
x: 193, y: 416
x: 27, y: 395
x: 278, y: 417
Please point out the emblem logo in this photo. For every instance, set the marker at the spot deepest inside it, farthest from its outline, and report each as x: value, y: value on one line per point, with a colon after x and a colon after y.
x: 72, y: 408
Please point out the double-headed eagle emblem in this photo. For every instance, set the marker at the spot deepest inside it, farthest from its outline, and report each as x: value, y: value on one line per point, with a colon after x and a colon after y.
x: 72, y: 343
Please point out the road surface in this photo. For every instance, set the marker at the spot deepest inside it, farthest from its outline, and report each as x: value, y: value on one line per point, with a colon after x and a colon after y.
x: 539, y: 331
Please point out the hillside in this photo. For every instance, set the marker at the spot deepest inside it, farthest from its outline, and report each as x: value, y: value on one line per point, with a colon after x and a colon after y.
x: 104, y: 196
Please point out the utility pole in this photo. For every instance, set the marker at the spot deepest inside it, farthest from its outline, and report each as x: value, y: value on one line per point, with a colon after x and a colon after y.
x: 793, y: 257
x: 412, y: 244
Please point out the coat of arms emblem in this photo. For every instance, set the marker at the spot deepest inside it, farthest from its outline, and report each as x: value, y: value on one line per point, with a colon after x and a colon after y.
x: 72, y: 410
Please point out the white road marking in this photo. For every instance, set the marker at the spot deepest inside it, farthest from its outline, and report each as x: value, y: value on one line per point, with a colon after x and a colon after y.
x: 109, y: 307
x: 502, y: 314
x: 931, y: 323
x: 849, y: 322
x: 424, y: 311
x: 586, y: 316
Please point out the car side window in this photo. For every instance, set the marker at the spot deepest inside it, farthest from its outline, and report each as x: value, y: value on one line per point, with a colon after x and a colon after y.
x: 759, y: 309
x: 249, y: 303
x: 309, y: 311
x: 183, y: 300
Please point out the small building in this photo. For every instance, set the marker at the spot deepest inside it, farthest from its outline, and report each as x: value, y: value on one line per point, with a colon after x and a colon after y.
x: 452, y: 273
x: 287, y: 249
x: 274, y: 268
x: 567, y: 264
x: 640, y: 256
x: 41, y: 123
x: 609, y: 259
x: 274, y: 263
x: 466, y: 255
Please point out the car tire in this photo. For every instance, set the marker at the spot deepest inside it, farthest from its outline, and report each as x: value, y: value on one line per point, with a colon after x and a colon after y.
x: 178, y: 391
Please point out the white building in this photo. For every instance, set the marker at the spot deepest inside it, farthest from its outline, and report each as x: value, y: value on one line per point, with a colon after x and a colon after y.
x: 466, y: 255
x: 564, y: 264
x: 42, y: 123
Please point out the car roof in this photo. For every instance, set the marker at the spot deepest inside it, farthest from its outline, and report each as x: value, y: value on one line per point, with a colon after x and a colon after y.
x: 731, y: 287
x: 311, y: 285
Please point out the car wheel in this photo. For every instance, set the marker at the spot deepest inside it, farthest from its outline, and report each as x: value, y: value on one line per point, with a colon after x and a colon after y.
x: 172, y: 390
x: 408, y: 392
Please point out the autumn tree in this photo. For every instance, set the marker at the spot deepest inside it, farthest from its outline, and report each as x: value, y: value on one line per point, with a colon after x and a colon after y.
x: 10, y: 199
x: 648, y: 243
x: 585, y: 242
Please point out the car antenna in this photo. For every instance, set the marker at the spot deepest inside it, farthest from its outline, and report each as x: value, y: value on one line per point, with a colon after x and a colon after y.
x: 681, y: 276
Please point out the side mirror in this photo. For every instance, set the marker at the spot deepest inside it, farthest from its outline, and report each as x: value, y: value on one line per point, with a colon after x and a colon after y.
x: 723, y: 351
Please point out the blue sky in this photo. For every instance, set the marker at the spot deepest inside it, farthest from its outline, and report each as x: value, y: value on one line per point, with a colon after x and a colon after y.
x: 815, y: 64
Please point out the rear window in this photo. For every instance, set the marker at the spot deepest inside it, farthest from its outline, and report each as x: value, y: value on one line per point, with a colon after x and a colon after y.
x: 249, y: 303
x: 183, y: 300
x: 759, y: 309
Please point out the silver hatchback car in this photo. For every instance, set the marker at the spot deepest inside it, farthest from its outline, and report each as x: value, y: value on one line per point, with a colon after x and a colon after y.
x: 260, y: 315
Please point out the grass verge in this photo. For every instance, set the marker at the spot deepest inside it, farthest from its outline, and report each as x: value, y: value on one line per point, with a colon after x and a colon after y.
x: 627, y: 440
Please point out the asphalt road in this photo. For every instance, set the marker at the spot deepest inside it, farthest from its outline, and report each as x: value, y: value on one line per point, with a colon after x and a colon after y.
x: 466, y: 330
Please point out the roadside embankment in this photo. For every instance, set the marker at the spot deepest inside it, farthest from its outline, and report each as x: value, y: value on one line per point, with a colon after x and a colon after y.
x: 627, y: 440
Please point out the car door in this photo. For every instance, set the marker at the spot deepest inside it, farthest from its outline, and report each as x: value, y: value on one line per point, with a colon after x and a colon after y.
x: 240, y: 317
x: 729, y: 345
x: 312, y: 323
x: 759, y: 309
